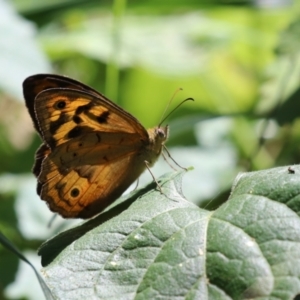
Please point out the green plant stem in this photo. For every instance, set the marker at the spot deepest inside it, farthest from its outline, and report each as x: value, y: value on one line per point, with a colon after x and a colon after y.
x: 112, y: 71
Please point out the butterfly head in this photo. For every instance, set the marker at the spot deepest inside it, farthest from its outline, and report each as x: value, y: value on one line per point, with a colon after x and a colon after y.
x: 157, y: 137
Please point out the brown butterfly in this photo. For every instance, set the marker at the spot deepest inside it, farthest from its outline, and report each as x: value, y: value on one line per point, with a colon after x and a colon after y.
x: 92, y: 149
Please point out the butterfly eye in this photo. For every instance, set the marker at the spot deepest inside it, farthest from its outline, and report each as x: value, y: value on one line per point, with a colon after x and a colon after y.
x: 60, y: 104
x: 161, y: 132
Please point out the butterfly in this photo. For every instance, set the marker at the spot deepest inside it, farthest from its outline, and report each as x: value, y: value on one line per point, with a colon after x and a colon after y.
x: 92, y: 149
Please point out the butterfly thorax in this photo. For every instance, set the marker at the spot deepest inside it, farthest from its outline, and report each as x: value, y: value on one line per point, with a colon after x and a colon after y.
x: 157, y: 138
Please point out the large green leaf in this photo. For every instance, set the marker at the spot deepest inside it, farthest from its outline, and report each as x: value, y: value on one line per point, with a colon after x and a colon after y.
x: 164, y: 247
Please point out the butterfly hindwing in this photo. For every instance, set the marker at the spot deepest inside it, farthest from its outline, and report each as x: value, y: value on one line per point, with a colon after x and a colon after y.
x: 84, y: 190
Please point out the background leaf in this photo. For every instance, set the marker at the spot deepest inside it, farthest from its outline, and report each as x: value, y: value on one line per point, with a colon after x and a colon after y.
x: 15, y: 67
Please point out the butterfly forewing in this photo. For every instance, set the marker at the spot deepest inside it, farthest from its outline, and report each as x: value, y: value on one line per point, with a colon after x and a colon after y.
x: 65, y: 114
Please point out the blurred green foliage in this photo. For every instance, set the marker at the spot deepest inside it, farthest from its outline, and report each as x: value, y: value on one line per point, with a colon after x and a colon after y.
x: 239, y: 61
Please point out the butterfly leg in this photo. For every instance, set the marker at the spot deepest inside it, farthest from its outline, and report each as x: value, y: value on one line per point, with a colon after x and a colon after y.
x: 51, y: 221
x: 154, y: 179
x: 163, y: 155
x: 167, y: 151
x: 137, y: 184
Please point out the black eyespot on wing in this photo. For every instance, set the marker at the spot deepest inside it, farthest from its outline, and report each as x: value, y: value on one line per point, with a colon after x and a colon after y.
x: 75, y: 132
x: 60, y: 104
x: 75, y: 192
x: 103, y: 117
x: 77, y: 119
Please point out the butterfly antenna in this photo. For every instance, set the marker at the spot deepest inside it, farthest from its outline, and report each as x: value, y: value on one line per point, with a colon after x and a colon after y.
x: 168, y: 105
x: 185, y: 100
